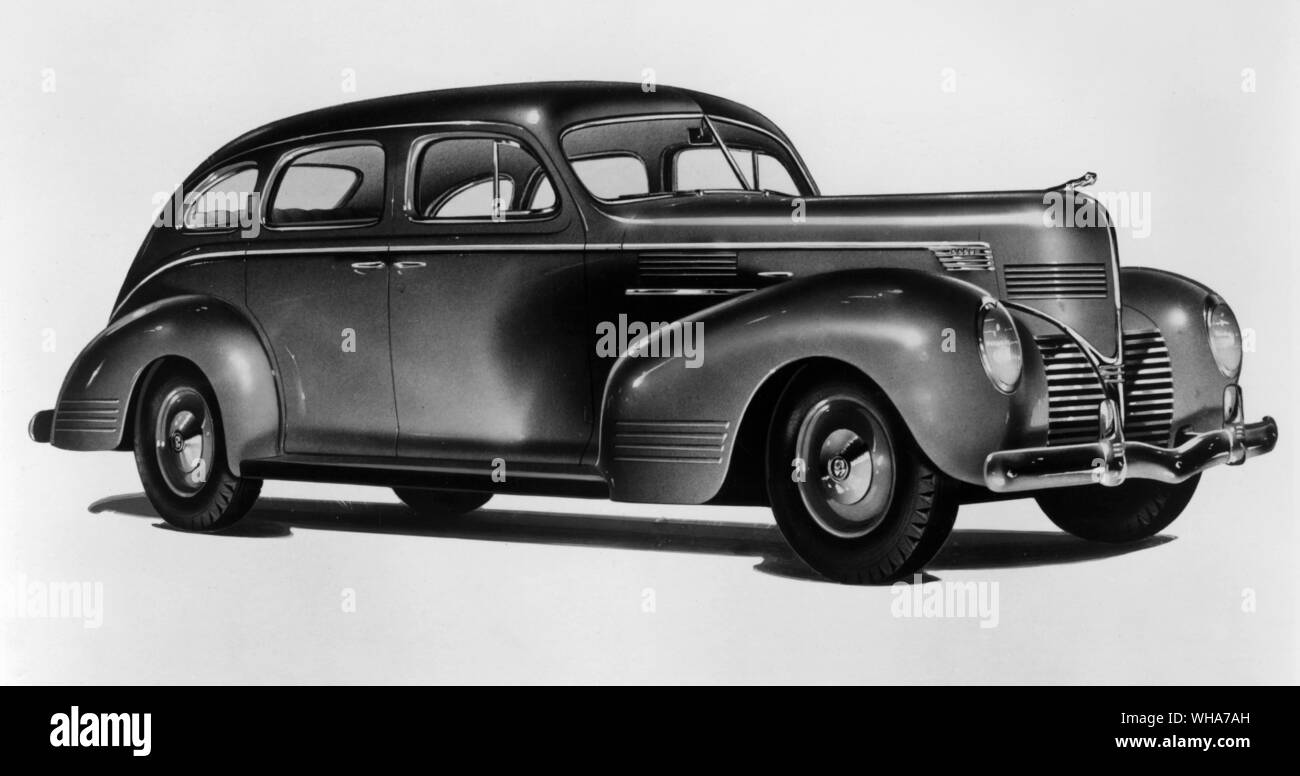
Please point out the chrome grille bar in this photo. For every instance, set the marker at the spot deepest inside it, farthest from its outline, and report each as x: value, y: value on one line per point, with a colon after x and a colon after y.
x: 1074, y: 392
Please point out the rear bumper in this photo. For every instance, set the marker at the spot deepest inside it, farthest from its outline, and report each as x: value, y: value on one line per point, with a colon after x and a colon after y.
x: 41, y: 427
x: 1110, y: 460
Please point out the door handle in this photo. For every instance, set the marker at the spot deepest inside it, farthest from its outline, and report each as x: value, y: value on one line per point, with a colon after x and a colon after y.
x: 409, y: 264
x: 366, y: 266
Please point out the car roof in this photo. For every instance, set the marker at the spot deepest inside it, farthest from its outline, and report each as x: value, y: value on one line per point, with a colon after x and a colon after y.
x: 545, y: 107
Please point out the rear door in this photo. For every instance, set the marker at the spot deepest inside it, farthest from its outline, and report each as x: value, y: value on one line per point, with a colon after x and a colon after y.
x: 318, y: 283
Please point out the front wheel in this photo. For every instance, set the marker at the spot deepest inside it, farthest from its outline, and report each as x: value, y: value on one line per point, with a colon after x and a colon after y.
x: 181, y: 457
x: 1129, y: 512
x: 851, y: 492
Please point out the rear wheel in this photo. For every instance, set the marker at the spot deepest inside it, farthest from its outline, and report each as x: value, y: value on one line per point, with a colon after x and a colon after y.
x: 180, y: 454
x: 850, y: 491
x: 441, y: 503
x: 1134, y: 510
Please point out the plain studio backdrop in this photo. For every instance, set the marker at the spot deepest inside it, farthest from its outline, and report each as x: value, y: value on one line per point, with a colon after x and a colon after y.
x: 1193, y: 105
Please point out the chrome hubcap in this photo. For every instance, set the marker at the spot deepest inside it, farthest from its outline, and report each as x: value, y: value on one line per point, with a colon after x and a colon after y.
x: 850, y: 467
x: 184, y: 434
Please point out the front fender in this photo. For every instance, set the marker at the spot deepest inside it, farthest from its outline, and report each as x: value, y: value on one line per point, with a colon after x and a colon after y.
x: 1176, y: 305
x: 667, y: 430
x: 94, y: 402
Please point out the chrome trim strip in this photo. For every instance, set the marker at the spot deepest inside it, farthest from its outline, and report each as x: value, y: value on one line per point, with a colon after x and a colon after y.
x: 286, y: 160
x: 789, y: 149
x: 686, y: 291
x: 188, y: 203
x: 883, y: 245
x: 190, y: 259
x: 524, y: 248
x: 493, y: 132
x: 876, y: 245
x: 339, y: 249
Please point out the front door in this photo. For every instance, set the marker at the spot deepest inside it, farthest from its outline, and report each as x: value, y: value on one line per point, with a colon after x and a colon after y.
x: 487, y: 305
x: 317, y: 281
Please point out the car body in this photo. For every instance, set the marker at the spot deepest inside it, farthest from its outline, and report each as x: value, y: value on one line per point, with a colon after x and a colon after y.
x: 456, y: 293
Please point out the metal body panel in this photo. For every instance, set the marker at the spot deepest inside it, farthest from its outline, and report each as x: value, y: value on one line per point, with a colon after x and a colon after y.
x: 909, y: 332
x: 327, y: 321
x: 478, y: 340
x: 489, y: 329
x: 208, y: 332
x: 1176, y: 306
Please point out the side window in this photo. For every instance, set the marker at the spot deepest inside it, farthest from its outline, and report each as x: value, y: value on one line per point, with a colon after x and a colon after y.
x: 707, y: 168
x: 478, y: 178
x: 223, y: 200
x: 336, y: 186
x: 612, y: 176
x: 773, y: 176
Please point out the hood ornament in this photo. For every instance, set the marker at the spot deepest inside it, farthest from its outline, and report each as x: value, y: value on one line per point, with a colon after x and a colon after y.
x: 1087, y: 179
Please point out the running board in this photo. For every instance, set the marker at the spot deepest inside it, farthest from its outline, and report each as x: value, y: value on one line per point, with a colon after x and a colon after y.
x: 573, y: 480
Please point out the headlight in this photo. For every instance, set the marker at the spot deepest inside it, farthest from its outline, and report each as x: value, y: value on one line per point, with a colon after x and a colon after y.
x: 1000, y: 346
x: 1225, y: 336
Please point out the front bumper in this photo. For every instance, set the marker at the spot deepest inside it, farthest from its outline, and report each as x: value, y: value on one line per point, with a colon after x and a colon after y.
x: 1110, y: 460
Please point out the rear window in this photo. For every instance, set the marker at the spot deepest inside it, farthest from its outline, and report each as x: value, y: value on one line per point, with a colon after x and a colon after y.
x: 223, y: 200
x: 336, y: 186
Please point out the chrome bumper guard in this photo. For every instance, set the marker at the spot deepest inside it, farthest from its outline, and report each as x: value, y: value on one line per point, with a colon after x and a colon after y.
x: 1110, y: 460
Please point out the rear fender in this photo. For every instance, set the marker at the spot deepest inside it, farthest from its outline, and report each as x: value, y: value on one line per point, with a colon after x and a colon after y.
x: 95, y: 400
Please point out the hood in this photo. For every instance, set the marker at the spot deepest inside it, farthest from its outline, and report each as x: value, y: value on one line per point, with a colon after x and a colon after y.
x: 1066, y: 272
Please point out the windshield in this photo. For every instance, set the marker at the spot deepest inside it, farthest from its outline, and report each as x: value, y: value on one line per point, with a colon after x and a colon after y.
x: 666, y: 155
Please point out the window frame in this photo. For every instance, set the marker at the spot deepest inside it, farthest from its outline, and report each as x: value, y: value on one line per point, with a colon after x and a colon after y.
x: 464, y: 187
x: 754, y: 155
x: 286, y: 160
x: 210, y: 180
x: 803, y: 171
x: 417, y: 148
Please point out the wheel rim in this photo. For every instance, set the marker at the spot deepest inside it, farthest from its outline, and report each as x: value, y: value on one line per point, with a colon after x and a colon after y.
x: 183, y: 441
x: 849, y: 467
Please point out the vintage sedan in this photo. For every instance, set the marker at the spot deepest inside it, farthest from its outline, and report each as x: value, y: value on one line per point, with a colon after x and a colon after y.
x: 612, y: 291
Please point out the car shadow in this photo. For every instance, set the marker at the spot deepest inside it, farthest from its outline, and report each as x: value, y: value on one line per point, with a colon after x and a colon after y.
x: 967, y: 549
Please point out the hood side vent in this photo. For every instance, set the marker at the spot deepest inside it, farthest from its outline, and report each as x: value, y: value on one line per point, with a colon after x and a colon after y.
x: 676, y: 264
x: 1055, y: 281
x: 972, y: 257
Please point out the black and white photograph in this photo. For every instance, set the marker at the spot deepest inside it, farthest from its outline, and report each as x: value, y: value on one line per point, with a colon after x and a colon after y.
x: 671, y: 343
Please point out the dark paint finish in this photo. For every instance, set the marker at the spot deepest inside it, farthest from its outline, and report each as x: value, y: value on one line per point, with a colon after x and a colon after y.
x: 475, y: 341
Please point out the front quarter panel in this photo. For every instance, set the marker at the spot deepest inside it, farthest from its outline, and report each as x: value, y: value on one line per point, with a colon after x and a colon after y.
x: 911, y: 333
x: 1176, y: 305
x: 93, y: 407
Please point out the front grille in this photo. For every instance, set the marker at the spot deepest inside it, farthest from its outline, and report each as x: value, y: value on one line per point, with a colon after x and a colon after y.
x: 1073, y: 391
x: 1055, y: 281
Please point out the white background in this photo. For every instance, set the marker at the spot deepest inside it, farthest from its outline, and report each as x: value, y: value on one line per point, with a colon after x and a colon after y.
x: 1149, y: 95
